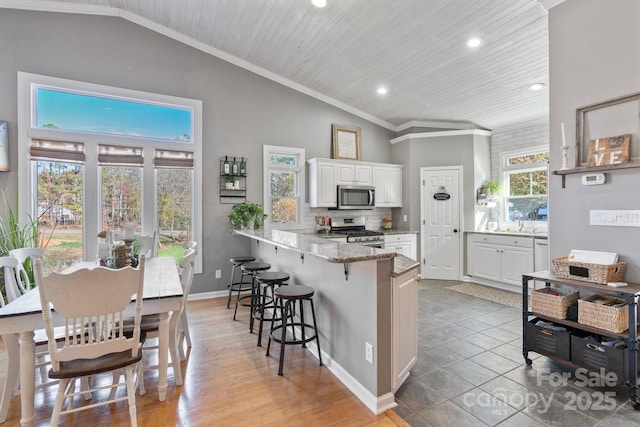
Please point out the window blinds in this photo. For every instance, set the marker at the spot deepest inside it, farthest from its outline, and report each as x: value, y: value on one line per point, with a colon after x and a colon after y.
x: 173, y: 159
x: 119, y: 155
x: 41, y: 149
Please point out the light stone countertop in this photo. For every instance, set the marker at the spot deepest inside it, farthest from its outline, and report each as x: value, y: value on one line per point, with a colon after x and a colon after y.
x: 402, y: 264
x: 329, y: 250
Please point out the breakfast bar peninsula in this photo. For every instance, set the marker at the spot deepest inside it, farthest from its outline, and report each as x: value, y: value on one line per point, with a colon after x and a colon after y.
x: 366, y: 307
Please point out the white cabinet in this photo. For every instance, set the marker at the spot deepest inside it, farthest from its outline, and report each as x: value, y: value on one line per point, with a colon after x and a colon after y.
x: 322, y: 184
x: 353, y: 174
x: 326, y: 174
x: 404, y: 244
x: 501, y: 259
x: 404, y: 314
x: 387, y: 179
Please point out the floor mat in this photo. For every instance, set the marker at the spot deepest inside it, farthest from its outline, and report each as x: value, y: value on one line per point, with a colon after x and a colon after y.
x: 512, y: 299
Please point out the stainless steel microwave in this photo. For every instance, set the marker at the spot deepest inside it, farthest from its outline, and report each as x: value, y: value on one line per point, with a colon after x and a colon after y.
x: 356, y: 197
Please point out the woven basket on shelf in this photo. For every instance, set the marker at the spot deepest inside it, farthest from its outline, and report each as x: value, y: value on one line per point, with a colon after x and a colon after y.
x: 607, y: 317
x: 544, y: 302
x: 596, y: 273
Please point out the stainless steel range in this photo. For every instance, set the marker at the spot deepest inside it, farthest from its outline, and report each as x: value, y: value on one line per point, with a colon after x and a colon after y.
x: 354, y: 229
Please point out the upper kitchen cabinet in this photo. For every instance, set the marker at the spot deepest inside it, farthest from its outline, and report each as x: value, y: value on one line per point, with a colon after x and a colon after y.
x: 323, y: 176
x: 387, y: 179
x: 326, y: 174
x: 353, y: 174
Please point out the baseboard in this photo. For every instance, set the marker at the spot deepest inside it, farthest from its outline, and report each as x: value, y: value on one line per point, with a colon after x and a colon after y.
x: 208, y: 295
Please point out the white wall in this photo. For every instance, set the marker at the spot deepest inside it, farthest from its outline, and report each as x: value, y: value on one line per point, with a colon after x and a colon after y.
x: 594, y: 48
x: 511, y: 138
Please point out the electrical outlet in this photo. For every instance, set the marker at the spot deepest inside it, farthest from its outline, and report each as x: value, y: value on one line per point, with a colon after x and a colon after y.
x: 218, y: 274
x: 404, y: 218
x: 368, y: 352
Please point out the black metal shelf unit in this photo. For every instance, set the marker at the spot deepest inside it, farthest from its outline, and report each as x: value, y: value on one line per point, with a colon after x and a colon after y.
x: 631, y: 338
x: 233, y: 179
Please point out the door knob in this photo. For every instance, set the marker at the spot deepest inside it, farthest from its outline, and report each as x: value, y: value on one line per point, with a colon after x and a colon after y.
x: 455, y: 230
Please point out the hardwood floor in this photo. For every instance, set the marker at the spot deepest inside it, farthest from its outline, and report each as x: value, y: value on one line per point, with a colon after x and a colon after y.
x: 228, y: 381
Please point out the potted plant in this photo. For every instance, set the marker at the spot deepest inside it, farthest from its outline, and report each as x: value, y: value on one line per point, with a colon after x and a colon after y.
x: 247, y: 216
x: 494, y: 187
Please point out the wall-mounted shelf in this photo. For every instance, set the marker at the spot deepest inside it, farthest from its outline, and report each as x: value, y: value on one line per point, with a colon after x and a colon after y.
x: 587, y: 169
x: 233, y: 179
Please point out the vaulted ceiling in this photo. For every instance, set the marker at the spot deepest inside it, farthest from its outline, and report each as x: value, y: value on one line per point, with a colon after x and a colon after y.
x: 341, y: 53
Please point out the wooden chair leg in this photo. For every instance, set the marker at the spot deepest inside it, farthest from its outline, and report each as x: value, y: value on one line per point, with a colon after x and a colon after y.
x: 62, y: 387
x: 131, y: 394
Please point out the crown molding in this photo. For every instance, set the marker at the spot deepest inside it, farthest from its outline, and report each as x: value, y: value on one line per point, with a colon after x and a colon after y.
x: 548, y: 4
x: 443, y: 124
x: 79, y: 8
x: 410, y: 136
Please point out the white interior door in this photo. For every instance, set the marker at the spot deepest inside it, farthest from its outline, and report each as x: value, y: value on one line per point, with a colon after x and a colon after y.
x: 441, y: 228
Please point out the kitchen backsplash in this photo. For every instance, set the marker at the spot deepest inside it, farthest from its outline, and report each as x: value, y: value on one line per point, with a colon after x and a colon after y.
x: 373, y: 217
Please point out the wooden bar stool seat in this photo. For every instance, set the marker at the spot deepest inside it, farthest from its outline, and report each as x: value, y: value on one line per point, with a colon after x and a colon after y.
x: 239, y: 286
x: 252, y: 269
x: 286, y: 297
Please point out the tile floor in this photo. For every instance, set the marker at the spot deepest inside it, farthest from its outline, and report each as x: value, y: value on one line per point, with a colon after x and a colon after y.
x: 471, y: 372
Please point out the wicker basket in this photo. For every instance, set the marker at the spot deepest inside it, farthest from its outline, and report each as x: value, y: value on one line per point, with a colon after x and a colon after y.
x: 543, y: 302
x: 596, y: 273
x: 607, y: 317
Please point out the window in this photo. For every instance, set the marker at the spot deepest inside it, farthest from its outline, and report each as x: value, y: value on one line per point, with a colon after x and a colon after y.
x: 96, y: 157
x: 283, y: 185
x: 525, y: 179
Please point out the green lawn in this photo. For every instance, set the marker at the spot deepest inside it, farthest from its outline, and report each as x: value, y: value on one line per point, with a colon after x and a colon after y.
x: 174, y: 250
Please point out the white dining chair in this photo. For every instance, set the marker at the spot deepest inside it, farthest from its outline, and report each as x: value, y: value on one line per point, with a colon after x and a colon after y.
x: 11, y: 288
x: 8, y: 265
x: 96, y: 297
x: 149, y: 246
x: 23, y: 255
x: 150, y: 323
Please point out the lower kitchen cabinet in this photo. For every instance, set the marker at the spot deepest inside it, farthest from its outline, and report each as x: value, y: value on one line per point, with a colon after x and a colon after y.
x: 404, y: 351
x: 499, y: 258
x: 404, y: 244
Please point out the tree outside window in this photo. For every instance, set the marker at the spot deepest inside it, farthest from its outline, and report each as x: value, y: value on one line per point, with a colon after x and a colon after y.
x: 526, y: 181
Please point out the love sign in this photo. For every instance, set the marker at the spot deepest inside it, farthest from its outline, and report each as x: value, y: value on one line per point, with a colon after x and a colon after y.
x: 609, y: 151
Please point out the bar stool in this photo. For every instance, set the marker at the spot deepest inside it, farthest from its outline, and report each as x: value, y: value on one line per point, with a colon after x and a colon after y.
x: 289, y: 295
x: 240, y: 286
x: 252, y: 269
x: 267, y: 280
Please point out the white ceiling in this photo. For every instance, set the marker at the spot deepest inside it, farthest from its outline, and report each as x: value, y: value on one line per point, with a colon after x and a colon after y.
x: 342, y: 52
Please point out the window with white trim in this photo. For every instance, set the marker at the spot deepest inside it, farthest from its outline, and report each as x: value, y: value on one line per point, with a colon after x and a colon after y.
x: 94, y: 157
x: 525, y: 183
x: 283, y: 196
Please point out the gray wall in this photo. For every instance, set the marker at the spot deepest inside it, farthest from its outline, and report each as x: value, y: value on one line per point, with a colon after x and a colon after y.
x: 594, y: 56
x: 241, y: 110
x: 470, y: 151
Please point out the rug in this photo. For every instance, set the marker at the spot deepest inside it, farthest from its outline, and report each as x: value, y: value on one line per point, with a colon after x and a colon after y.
x: 512, y: 299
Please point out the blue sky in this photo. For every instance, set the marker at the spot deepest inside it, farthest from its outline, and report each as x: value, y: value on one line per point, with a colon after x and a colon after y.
x: 102, y: 115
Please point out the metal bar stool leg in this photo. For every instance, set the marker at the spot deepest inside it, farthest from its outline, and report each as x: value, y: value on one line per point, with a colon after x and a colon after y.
x: 315, y: 325
x: 287, y: 309
x: 233, y: 276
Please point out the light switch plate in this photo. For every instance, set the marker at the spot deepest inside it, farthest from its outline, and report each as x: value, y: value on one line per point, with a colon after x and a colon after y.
x: 615, y: 218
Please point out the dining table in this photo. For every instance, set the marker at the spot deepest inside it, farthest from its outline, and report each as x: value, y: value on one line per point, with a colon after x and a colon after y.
x: 23, y: 316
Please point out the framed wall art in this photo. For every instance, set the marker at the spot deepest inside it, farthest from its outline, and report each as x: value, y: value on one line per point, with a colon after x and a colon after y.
x: 346, y: 142
x: 596, y: 126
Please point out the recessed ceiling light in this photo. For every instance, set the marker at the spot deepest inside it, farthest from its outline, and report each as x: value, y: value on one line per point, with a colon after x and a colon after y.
x: 382, y: 90
x: 474, y: 42
x: 537, y: 86
x: 319, y: 3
